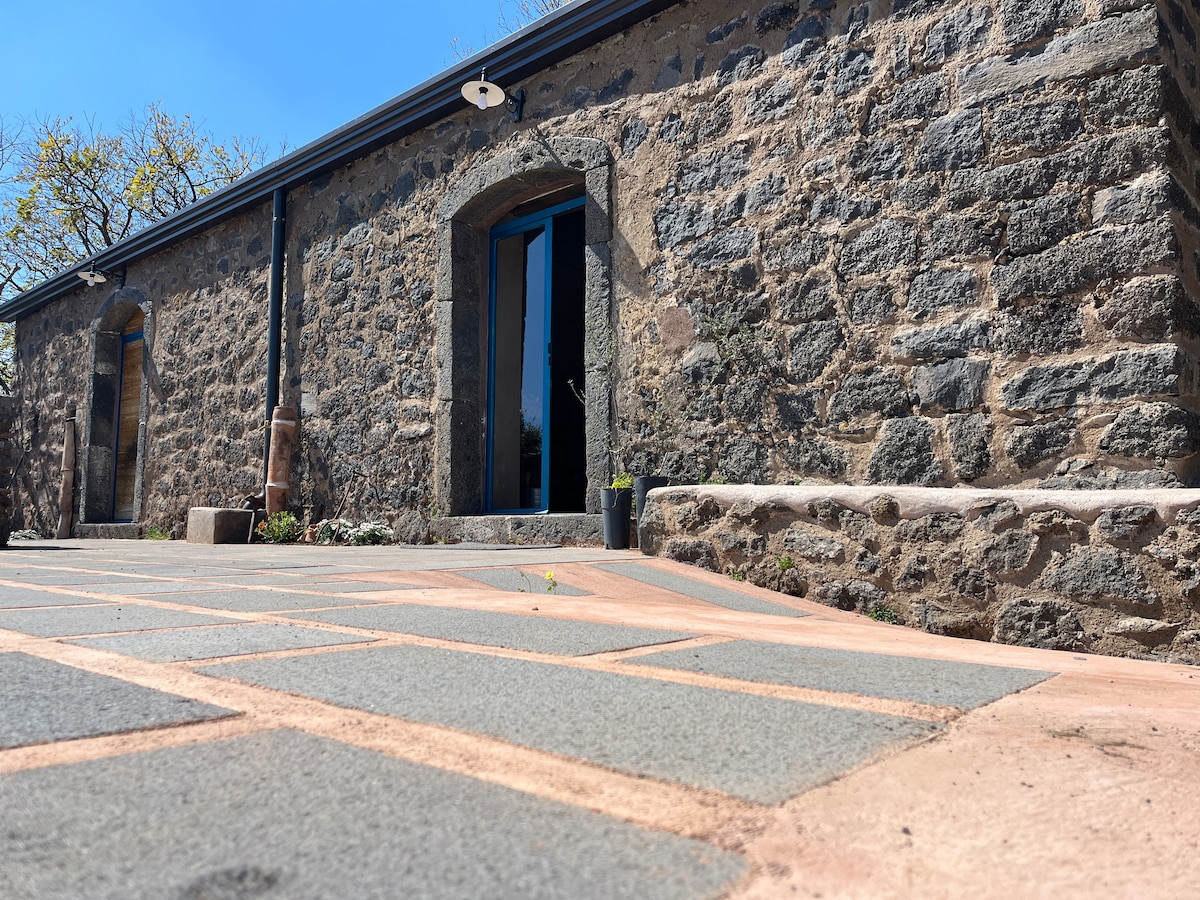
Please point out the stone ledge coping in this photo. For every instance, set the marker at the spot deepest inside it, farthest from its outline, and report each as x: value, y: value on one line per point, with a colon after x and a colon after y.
x: 914, y: 502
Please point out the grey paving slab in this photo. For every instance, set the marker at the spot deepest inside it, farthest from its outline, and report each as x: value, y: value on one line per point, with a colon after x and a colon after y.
x: 933, y: 681
x: 539, y: 634
x: 184, y: 571
x: 19, y: 598
x: 700, y: 590
x: 43, y: 701
x: 99, y: 619
x: 760, y: 748
x: 224, y: 640
x: 133, y: 588
x: 289, y: 815
x: 60, y: 579
x: 354, y: 587
x: 517, y: 581
x: 262, y: 601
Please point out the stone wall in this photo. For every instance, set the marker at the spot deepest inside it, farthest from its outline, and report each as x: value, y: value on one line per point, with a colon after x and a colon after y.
x: 931, y: 249
x: 1111, y: 572
x: 907, y: 242
x: 204, y: 365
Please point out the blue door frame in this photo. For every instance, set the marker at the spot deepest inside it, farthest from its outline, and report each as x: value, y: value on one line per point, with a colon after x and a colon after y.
x: 543, y: 219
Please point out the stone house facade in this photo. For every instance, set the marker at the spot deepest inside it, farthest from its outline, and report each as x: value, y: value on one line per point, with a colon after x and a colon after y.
x: 894, y: 242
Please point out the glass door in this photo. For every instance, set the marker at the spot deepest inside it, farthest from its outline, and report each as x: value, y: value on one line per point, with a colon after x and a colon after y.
x: 526, y: 279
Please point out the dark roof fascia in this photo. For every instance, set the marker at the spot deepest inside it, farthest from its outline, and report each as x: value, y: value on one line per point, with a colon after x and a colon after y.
x: 555, y: 37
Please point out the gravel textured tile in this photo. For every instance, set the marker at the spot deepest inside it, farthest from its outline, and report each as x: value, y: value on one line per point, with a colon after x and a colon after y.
x: 354, y: 587
x: 99, y: 619
x: 43, y: 701
x: 21, y: 598
x: 60, y: 579
x: 760, y: 748
x: 224, y: 640
x: 698, y: 590
x: 539, y: 634
x: 263, y: 601
x: 290, y: 815
x: 133, y: 588
x: 520, y: 582
x: 932, y: 681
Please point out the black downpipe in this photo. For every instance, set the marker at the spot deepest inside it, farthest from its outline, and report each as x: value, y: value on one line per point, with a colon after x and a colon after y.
x: 274, y: 317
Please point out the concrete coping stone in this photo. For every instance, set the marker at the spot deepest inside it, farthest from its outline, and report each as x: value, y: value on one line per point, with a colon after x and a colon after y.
x: 915, y: 502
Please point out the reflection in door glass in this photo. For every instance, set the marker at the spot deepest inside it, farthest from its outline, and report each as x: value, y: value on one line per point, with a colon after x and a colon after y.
x: 533, y: 363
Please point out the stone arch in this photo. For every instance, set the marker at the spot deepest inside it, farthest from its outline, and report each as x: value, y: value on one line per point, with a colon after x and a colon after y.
x: 104, y: 381
x: 531, y: 169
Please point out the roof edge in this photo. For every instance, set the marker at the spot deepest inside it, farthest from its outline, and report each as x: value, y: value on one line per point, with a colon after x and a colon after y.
x: 537, y: 46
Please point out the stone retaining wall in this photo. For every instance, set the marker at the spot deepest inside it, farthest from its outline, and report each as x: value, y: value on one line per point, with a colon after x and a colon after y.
x: 1112, y: 572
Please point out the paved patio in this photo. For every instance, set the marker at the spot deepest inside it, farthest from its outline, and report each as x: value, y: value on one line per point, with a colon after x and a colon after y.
x: 455, y: 721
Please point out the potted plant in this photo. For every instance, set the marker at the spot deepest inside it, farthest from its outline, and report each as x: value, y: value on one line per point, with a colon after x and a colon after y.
x: 616, y: 502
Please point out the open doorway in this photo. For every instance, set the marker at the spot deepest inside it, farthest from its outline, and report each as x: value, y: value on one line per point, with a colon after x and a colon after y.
x: 536, y: 442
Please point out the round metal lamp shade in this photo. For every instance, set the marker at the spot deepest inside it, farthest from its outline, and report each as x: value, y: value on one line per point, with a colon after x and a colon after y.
x: 475, y: 91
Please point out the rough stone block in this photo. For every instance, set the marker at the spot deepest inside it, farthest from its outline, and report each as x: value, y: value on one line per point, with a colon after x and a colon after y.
x: 938, y: 289
x: 904, y: 454
x: 1041, y: 328
x: 1100, y: 46
x: 724, y: 247
x: 1133, y: 97
x: 1043, y: 223
x: 1046, y: 624
x: 1009, y: 552
x: 1153, y: 431
x: 1099, y: 574
x: 812, y: 346
x: 1151, y: 307
x: 1119, y: 376
x: 1077, y: 264
x: 942, y: 341
x: 872, y: 305
x: 812, y: 547
x: 881, y: 390
x: 806, y: 300
x: 1102, y: 160
x: 952, y: 142
x: 816, y: 457
x: 1042, y: 126
x: 1140, y: 201
x: 1029, y: 445
x: 952, y: 385
x: 1024, y: 21
x: 969, y: 437
x: 963, y: 29
x: 210, y: 525
x: 1128, y: 523
x: 878, y: 160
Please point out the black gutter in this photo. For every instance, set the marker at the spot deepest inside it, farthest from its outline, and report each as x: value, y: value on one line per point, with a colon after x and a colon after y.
x: 556, y: 37
x: 274, y: 315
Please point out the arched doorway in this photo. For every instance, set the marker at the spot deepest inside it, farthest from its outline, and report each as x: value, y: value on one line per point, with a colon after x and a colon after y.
x: 525, y: 301
x: 115, y: 437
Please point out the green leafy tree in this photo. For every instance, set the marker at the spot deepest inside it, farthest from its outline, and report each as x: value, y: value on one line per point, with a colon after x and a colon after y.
x: 68, y: 190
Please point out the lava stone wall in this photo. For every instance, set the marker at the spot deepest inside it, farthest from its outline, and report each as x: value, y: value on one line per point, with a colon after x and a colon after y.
x: 1112, y: 572
x: 895, y: 242
x: 204, y: 364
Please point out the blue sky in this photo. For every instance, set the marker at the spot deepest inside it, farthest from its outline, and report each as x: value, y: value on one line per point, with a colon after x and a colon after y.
x: 293, y: 70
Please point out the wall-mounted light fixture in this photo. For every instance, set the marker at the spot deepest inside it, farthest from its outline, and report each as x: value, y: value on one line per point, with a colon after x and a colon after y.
x: 485, y: 95
x: 93, y: 276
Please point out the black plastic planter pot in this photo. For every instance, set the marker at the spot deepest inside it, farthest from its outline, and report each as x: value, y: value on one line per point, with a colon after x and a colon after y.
x: 615, y: 507
x: 642, y: 485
